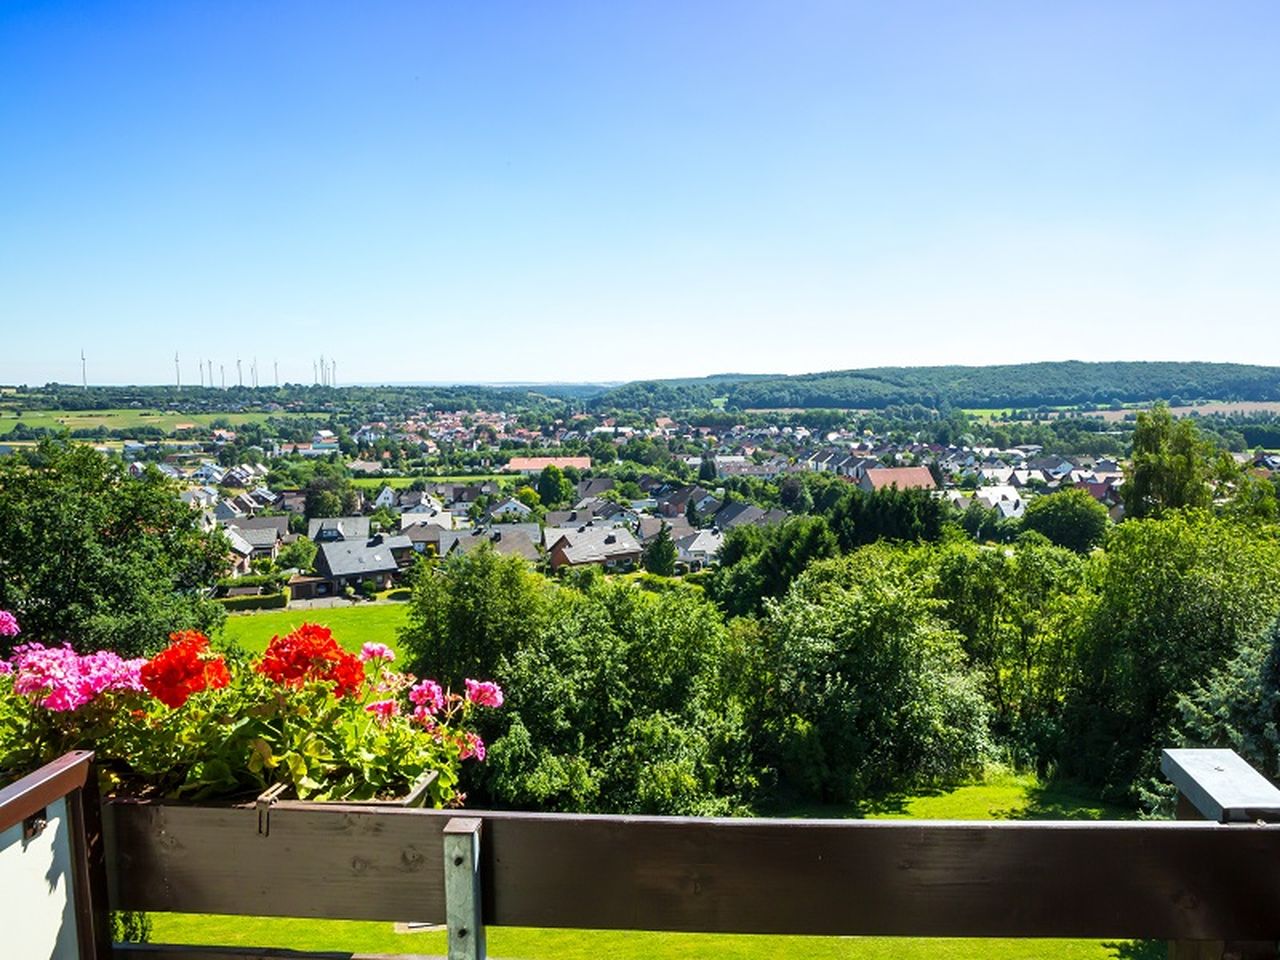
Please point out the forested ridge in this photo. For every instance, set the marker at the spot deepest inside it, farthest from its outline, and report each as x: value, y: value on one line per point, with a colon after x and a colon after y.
x: 1069, y: 382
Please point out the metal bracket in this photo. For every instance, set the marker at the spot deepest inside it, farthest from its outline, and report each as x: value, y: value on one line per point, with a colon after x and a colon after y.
x: 34, y: 825
x: 462, y: 889
x: 264, y: 803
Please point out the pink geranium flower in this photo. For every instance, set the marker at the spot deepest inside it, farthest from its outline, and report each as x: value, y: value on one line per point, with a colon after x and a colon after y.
x: 61, y: 679
x: 384, y: 710
x: 376, y: 651
x: 8, y: 624
x: 428, y: 695
x: 484, y: 693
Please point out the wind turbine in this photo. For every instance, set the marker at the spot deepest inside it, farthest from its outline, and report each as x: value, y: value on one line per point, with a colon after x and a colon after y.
x: 200, y: 370
x: 324, y: 372
x: 333, y: 381
x: 239, y: 373
x: 222, y: 368
x: 210, y: 374
x: 275, y: 365
x: 84, y: 377
x: 177, y: 370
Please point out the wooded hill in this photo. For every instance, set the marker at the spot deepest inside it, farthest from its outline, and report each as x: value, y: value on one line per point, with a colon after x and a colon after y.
x: 1023, y: 385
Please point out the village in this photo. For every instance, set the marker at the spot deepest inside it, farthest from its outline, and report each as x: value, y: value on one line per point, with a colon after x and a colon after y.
x: 604, y: 511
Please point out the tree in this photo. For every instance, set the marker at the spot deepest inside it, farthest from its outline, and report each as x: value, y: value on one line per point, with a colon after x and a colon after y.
x: 1071, y: 519
x: 707, y: 470
x: 1171, y: 465
x: 660, y: 554
x: 868, y: 689
x: 100, y: 559
x: 1174, y: 599
x: 553, y: 486
x: 300, y: 554
x: 471, y: 614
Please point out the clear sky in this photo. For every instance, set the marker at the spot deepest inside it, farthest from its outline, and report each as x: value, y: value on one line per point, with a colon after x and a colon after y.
x: 541, y: 191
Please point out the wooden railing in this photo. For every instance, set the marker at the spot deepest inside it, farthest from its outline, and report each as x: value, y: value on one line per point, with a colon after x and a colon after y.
x: 1211, y: 887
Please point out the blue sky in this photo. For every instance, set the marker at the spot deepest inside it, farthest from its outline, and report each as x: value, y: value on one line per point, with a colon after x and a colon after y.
x: 609, y: 191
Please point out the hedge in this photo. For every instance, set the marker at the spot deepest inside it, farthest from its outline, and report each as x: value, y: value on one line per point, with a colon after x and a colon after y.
x: 271, y: 601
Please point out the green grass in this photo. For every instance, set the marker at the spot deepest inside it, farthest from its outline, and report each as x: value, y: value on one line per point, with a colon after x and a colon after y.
x: 122, y: 419
x: 1001, y: 795
x: 351, y: 626
x: 511, y: 943
x: 399, y: 483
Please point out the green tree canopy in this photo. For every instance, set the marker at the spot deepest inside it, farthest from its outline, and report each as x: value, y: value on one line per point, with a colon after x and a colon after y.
x: 95, y: 557
x: 660, y: 554
x: 1171, y: 465
x: 1070, y: 518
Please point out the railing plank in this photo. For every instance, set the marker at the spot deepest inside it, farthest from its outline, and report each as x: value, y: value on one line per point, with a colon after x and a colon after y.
x: 1174, y: 880
x: 1221, y: 785
x: 339, y: 862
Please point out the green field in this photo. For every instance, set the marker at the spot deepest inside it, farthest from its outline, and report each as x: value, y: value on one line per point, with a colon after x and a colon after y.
x: 351, y: 626
x: 122, y: 419
x: 399, y: 483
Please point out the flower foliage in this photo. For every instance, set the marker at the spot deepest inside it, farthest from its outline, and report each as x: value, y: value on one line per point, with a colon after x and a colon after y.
x: 310, y: 653
x: 183, y: 668
x: 192, y: 722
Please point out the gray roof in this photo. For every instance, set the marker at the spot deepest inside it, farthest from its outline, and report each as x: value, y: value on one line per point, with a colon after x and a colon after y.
x: 345, y: 528
x: 259, y: 537
x: 278, y: 524
x: 506, y: 538
x: 355, y: 558
x: 597, y: 544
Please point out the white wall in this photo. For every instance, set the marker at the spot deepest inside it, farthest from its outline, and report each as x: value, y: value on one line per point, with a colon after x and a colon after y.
x: 37, y: 915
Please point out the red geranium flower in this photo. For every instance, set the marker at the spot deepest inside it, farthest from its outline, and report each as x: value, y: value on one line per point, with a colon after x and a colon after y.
x: 311, y: 653
x: 183, y: 668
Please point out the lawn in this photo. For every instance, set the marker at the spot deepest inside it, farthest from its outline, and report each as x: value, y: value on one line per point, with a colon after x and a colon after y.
x: 351, y: 625
x: 1001, y: 795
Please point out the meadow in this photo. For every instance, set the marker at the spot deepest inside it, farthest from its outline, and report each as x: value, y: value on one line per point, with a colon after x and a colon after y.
x: 400, y: 483
x: 122, y: 419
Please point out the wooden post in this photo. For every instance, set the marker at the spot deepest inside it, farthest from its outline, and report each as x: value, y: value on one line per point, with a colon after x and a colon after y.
x: 462, y: 888
x: 1220, y: 785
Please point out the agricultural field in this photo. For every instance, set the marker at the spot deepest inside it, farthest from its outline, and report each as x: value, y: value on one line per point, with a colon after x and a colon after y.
x: 1001, y: 795
x: 351, y: 625
x: 122, y: 419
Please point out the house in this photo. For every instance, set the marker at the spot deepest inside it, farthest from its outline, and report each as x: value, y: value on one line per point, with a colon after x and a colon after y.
x: 279, y: 524
x: 506, y: 539
x: 328, y: 529
x: 736, y: 514
x: 649, y: 527
x: 533, y: 465
x: 226, y: 510
x: 425, y: 537
x: 387, y: 499
x: 510, y: 509
x: 241, y: 553
x: 699, y: 549
x: 344, y: 563
x: 904, y: 478
x: 418, y: 501
x: 594, y: 487
x: 612, y: 548
x: 264, y: 541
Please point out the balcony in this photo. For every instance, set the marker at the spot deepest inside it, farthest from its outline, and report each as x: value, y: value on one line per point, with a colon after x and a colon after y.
x: 1208, y: 882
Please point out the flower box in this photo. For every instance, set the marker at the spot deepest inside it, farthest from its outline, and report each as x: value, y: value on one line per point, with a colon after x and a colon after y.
x: 305, y: 720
